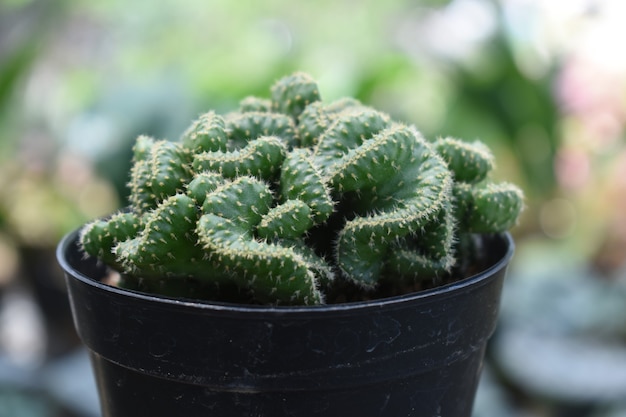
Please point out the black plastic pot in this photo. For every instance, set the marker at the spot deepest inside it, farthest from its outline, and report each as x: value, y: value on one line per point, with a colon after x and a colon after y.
x: 414, y: 355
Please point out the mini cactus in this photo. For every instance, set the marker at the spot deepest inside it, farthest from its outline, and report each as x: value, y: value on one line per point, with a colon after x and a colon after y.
x: 290, y: 200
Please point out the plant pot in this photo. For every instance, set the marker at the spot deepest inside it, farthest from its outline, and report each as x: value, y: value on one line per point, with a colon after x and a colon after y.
x: 413, y: 355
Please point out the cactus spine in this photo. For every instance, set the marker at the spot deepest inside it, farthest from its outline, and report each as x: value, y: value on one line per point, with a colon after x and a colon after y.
x: 289, y: 198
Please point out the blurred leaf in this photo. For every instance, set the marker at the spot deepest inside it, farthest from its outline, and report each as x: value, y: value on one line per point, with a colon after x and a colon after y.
x: 14, y: 67
x: 498, y: 103
x: 22, y: 31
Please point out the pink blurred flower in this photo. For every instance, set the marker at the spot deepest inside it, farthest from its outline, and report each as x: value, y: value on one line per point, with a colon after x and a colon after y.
x: 573, y: 168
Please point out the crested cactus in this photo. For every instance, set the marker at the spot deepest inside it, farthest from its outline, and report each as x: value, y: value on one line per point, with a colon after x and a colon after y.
x: 289, y: 199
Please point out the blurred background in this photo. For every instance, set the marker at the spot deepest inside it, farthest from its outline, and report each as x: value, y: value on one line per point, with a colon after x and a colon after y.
x: 542, y: 82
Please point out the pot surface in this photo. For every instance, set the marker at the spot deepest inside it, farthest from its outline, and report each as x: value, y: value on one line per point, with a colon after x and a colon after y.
x: 414, y: 355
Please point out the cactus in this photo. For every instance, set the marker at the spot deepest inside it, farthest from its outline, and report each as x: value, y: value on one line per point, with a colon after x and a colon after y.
x: 481, y: 207
x: 292, y: 94
x: 290, y: 200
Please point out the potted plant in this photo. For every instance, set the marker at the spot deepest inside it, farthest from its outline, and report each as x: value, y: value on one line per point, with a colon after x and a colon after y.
x: 295, y: 258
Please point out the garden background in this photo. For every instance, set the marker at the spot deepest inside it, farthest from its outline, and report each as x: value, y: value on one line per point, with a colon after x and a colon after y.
x: 543, y: 83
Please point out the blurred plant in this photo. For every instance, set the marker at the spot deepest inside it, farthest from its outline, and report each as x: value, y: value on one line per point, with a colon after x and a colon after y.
x: 591, y: 164
x: 35, y: 206
x: 464, y: 77
x: 38, y: 208
x: 520, y: 111
x: 21, y: 30
x: 24, y: 30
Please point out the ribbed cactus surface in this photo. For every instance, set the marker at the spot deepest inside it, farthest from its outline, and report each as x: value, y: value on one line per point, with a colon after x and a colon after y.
x: 289, y: 198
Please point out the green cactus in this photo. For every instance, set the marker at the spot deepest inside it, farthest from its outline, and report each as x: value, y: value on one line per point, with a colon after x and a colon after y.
x: 233, y: 213
x: 317, y: 117
x: 206, y: 134
x: 99, y: 237
x: 302, y: 180
x: 488, y: 207
x: 290, y: 200
x: 161, y: 168
x: 346, y: 134
x: 469, y: 162
x: 165, y: 247
x: 241, y: 128
x: 480, y: 207
x: 255, y: 104
x: 202, y: 184
x: 399, y: 176
x: 261, y: 157
x: 292, y: 94
x: 288, y: 220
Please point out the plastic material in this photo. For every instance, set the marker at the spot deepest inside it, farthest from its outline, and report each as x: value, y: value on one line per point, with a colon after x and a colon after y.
x: 413, y: 355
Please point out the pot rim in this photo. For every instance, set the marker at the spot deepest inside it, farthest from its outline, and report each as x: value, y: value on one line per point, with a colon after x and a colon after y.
x: 423, y: 296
